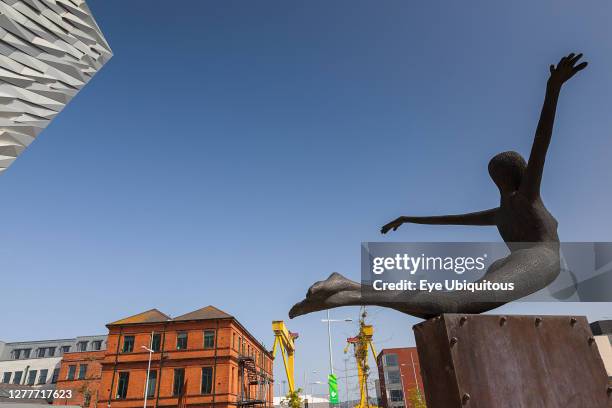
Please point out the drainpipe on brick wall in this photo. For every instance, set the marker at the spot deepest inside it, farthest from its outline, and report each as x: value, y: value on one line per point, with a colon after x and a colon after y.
x: 161, y: 360
x: 214, y: 390
x: 110, y: 392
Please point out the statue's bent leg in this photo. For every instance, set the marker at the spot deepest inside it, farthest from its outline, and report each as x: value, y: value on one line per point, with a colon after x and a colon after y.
x: 529, y: 269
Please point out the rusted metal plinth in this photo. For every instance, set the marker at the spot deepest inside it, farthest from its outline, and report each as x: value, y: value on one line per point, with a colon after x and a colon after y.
x: 485, y: 361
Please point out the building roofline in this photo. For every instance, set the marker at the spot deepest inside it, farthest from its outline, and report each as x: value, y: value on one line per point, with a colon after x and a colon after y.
x: 392, y: 349
x: 268, y: 352
x: 109, y: 325
x: 209, y: 312
x: 227, y: 317
x: 7, y: 343
x: 161, y: 317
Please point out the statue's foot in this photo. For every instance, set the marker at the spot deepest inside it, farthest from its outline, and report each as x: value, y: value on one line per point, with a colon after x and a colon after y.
x: 334, y: 291
x: 333, y: 284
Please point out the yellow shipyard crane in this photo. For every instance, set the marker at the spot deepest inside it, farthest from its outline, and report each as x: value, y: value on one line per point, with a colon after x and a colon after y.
x: 285, y: 340
x: 362, y: 345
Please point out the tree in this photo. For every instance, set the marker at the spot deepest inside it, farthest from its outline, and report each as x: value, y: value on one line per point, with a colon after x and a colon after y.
x: 416, y: 399
x: 292, y: 399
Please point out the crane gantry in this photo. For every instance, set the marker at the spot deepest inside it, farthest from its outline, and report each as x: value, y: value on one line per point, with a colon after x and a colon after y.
x: 285, y: 340
x: 362, y: 345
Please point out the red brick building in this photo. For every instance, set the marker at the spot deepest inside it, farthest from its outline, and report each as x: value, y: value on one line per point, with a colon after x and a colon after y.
x: 399, y: 374
x: 80, y: 373
x: 204, y: 358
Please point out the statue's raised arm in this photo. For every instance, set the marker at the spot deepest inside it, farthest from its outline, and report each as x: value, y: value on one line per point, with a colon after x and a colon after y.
x: 565, y: 69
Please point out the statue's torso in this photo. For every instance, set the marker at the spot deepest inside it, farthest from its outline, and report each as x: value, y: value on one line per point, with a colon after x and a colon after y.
x: 520, y: 219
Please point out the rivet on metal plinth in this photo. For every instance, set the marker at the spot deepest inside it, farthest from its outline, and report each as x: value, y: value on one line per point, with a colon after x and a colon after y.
x: 453, y: 341
x: 573, y: 321
x: 538, y: 321
x: 465, y: 398
x: 591, y: 341
x: 503, y: 320
x: 462, y: 320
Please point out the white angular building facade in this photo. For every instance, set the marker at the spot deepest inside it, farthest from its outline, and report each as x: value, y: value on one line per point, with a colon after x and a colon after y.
x: 37, y: 363
x: 49, y: 50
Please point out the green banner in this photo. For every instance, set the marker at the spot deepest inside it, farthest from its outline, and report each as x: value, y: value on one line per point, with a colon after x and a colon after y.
x: 332, y: 380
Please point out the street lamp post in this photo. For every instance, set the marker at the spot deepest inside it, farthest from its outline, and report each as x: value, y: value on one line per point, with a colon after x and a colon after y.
x: 329, y: 341
x: 346, y: 380
x: 150, y: 350
x: 311, y: 388
x: 306, y: 383
x: 331, y: 363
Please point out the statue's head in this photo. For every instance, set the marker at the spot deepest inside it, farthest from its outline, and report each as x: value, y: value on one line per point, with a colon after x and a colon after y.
x: 507, y: 170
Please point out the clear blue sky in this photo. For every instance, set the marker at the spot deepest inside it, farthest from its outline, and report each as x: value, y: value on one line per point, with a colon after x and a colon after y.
x: 233, y: 152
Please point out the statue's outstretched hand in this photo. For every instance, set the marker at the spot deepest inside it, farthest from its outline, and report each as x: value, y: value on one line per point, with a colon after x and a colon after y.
x: 394, y: 225
x: 565, y: 69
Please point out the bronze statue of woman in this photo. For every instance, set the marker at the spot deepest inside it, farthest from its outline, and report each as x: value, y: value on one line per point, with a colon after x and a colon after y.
x: 524, y: 223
